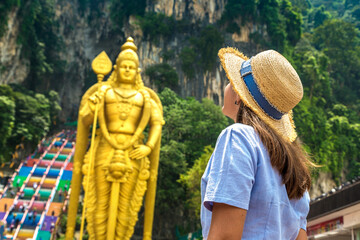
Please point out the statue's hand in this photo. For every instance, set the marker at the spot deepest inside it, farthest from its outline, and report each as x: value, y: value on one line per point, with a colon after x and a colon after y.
x: 140, y: 151
x: 95, y: 99
x: 85, y: 169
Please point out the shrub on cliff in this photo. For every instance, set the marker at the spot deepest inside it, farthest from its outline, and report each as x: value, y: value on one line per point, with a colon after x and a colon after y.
x: 25, y: 117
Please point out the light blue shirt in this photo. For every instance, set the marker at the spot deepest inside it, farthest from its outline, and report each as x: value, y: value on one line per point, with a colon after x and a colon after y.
x: 239, y: 173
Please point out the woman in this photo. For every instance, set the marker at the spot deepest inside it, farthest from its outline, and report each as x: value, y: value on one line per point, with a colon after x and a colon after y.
x: 257, y: 180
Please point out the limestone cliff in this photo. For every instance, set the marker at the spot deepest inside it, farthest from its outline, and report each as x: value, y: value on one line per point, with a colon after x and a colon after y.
x: 13, y: 68
x: 84, y: 36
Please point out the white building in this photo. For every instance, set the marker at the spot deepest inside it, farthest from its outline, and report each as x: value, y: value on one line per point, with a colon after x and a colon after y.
x: 336, y: 215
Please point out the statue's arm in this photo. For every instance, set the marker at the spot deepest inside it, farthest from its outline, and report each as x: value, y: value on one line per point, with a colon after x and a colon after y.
x: 85, y: 119
x: 154, y: 139
x: 156, y: 122
x: 86, y: 111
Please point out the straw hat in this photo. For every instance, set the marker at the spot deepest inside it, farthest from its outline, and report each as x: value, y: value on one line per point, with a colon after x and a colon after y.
x: 267, y: 84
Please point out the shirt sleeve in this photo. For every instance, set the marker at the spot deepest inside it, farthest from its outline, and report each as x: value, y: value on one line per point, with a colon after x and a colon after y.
x: 155, y: 116
x: 232, y: 170
x: 305, y: 212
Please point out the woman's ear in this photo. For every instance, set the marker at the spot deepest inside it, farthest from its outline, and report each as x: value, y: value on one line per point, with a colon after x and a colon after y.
x: 238, y: 99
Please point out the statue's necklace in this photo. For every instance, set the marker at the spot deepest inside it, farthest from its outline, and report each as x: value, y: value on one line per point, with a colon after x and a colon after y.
x: 124, y: 106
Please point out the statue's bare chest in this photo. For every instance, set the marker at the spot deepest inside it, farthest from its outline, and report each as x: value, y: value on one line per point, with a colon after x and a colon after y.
x: 123, y: 108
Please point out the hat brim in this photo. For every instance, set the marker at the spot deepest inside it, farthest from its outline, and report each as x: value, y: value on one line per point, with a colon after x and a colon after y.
x: 231, y: 60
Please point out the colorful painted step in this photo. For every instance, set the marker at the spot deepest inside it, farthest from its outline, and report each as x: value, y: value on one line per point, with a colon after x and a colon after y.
x: 5, y: 204
x: 18, y: 181
x: 24, y: 171
x: 26, y: 233
x: 54, y: 209
x: 43, y: 235
x: 31, y: 162
x: 62, y: 157
x: 39, y: 171
x: 49, y: 156
x: 53, y: 172
x: 45, y: 193
x: 44, y: 163
x: 64, y: 185
x: 67, y: 175
x: 47, y: 222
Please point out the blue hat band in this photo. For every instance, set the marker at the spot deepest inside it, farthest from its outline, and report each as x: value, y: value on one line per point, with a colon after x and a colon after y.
x: 247, y: 76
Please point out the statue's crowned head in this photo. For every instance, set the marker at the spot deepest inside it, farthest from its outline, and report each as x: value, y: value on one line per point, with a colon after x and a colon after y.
x: 128, y: 52
x: 127, y: 65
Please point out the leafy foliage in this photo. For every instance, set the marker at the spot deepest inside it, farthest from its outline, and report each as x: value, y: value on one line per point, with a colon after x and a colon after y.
x: 40, y: 43
x: 282, y: 21
x: 163, y: 75
x: 203, y: 51
x: 121, y: 10
x: 340, y: 42
x: 234, y: 9
x: 327, y: 60
x: 191, y: 180
x: 7, y: 120
x: 156, y: 25
x: 25, y: 117
x: 328, y: 66
x: 188, y: 61
x: 207, y: 45
x: 5, y: 7
x: 190, y: 126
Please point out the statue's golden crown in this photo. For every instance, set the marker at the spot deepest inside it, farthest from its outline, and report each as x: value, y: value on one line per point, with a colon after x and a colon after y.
x: 129, y: 45
x: 128, y: 52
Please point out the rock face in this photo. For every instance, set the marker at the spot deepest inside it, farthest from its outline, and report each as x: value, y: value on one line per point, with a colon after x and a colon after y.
x: 323, y: 184
x: 84, y: 36
x: 196, y: 11
x: 13, y: 68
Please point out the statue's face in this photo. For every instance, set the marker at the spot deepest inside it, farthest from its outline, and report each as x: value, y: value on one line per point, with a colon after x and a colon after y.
x: 127, y: 71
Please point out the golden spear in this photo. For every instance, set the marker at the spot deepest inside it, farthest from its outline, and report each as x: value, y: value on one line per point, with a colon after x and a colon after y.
x: 102, y: 66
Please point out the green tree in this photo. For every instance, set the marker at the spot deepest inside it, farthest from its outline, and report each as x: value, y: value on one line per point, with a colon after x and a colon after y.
x: 5, y: 7
x: 234, y: 9
x: 340, y: 42
x: 320, y: 16
x: 190, y: 125
x: 7, y: 121
x: 292, y: 22
x: 202, y: 52
x: 188, y: 61
x: 207, y: 45
x: 312, y: 66
x: 40, y: 43
x: 27, y: 117
x: 54, y: 107
x: 156, y: 25
x: 191, y: 181
x: 120, y: 10
x: 269, y: 15
x: 163, y: 75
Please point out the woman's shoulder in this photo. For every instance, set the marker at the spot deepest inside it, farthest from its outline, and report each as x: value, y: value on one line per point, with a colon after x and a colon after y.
x: 240, y: 132
x: 241, y: 128
x: 246, y: 131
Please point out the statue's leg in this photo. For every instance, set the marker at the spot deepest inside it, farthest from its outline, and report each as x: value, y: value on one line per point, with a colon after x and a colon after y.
x: 103, y: 196
x: 131, y: 193
x: 91, y: 201
x: 124, y: 207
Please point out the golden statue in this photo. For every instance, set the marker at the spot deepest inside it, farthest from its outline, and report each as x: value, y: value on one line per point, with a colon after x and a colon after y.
x: 118, y: 168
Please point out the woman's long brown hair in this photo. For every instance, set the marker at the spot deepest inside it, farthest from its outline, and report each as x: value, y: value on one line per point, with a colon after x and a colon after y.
x: 289, y: 159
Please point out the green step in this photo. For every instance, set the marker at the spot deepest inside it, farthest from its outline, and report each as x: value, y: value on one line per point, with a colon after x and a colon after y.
x: 62, y: 184
x: 22, y: 179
